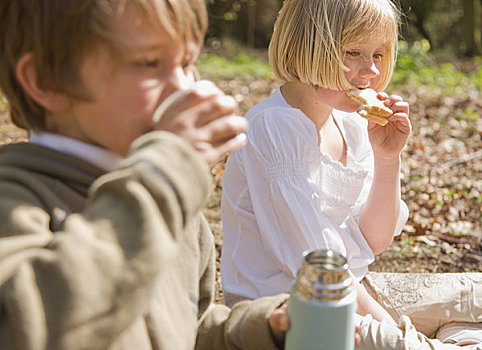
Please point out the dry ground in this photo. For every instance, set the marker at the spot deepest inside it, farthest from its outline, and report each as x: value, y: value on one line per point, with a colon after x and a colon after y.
x: 442, y: 181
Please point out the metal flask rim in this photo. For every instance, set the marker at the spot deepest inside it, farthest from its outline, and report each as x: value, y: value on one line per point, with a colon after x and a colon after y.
x: 323, y: 276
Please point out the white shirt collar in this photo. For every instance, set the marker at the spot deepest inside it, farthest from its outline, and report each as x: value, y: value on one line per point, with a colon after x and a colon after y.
x: 98, y: 156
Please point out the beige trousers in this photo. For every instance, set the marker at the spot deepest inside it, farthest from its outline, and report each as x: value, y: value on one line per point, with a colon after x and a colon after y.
x: 435, y: 311
x: 377, y: 336
x: 431, y: 309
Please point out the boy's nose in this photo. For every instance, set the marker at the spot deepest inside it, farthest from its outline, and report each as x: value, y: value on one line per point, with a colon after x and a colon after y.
x: 181, y: 78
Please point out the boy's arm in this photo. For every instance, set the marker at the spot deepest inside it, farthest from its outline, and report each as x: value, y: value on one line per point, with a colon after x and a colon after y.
x: 81, y: 287
x: 245, y: 326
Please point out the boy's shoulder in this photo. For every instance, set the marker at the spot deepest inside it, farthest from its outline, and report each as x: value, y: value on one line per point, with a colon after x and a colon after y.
x: 42, y: 176
x: 34, y: 158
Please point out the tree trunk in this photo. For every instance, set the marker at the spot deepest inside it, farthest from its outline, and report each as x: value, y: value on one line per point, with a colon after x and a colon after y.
x: 251, y: 29
x: 471, y: 27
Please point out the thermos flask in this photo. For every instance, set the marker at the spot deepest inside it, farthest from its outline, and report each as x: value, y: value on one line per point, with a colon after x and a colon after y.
x: 322, y: 304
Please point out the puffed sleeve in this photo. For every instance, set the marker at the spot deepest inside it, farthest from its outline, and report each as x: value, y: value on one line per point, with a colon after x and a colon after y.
x: 282, y: 161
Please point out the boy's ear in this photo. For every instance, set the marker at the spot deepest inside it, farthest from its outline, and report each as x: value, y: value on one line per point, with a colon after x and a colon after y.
x: 53, y: 101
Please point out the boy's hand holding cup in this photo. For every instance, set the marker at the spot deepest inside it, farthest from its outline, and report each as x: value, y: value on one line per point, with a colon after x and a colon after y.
x: 203, y: 116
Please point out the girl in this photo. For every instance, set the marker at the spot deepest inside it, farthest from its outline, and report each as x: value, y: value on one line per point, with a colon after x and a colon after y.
x: 315, y: 175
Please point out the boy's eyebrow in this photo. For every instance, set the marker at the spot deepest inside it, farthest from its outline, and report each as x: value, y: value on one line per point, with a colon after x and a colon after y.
x: 127, y: 47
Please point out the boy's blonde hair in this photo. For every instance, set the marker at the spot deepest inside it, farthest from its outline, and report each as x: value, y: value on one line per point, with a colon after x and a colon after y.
x: 310, y: 37
x: 59, y: 33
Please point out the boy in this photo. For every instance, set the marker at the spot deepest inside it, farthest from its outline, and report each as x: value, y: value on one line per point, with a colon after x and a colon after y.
x: 102, y: 242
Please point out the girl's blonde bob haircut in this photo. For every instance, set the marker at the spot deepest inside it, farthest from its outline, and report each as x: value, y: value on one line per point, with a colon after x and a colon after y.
x: 59, y: 34
x: 310, y: 37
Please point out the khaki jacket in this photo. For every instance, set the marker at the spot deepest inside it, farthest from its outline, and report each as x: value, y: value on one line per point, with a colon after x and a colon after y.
x: 123, y: 260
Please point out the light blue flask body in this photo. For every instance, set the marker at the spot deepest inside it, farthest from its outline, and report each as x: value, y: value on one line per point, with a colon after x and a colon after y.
x: 322, y: 304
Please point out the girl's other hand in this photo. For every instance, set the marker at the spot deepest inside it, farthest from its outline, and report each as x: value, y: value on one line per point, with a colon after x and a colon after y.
x: 388, y: 141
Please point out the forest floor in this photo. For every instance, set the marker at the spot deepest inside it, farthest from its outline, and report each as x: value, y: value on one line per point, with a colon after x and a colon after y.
x: 441, y: 180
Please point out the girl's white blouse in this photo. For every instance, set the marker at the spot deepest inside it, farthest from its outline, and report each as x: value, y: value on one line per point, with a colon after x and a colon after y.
x: 282, y: 196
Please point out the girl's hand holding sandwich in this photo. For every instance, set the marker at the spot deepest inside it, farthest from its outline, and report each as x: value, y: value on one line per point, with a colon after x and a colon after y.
x: 388, y: 141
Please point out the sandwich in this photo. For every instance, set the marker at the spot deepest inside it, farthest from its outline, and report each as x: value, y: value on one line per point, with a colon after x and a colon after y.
x: 371, y: 107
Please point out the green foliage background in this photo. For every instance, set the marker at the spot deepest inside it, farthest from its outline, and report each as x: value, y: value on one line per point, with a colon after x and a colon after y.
x: 416, y: 66
x: 3, y: 101
x: 239, y: 66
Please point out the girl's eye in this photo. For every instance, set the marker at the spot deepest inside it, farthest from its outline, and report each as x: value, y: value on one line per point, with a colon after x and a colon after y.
x: 353, y: 53
x: 357, y: 54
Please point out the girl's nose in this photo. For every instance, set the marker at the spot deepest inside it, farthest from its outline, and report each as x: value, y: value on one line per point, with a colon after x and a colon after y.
x: 369, y: 69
